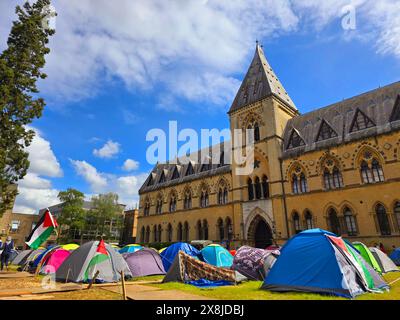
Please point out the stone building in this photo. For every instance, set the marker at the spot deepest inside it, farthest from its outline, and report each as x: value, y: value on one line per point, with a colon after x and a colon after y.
x: 335, y: 168
x: 21, y: 225
x: 130, y: 227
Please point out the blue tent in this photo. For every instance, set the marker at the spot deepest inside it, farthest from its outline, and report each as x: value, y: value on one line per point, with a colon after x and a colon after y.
x: 36, y: 262
x: 169, y: 254
x: 395, y: 256
x: 217, y: 256
x: 130, y: 248
x: 319, y: 261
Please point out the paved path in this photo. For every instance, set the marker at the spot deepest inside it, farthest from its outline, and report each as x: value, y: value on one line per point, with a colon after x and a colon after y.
x: 15, y: 275
x: 8, y: 293
x: 141, y: 292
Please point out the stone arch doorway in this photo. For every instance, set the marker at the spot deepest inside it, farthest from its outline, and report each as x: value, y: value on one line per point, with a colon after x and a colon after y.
x: 260, y: 233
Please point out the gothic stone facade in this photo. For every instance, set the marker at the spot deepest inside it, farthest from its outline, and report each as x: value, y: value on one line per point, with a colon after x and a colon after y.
x: 336, y: 168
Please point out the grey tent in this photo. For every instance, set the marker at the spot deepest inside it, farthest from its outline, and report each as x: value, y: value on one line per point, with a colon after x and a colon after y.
x: 28, y: 259
x: 254, y: 263
x: 76, y: 267
x: 386, y: 264
x: 186, y: 268
x: 21, y: 256
x: 145, y: 262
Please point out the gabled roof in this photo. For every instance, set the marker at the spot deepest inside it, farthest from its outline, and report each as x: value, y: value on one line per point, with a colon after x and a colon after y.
x: 376, y: 107
x: 259, y: 83
x: 197, y: 159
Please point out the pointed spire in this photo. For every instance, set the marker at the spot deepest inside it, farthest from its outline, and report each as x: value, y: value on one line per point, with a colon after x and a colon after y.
x: 259, y: 83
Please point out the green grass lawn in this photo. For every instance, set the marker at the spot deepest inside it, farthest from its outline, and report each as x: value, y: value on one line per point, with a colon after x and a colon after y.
x: 251, y: 291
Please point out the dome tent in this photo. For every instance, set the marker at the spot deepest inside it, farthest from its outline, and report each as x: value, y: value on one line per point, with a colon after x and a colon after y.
x: 367, y: 255
x: 78, y: 266
x: 169, y: 254
x: 319, y: 261
x: 145, y: 262
x: 217, y: 255
x: 386, y: 264
x: 52, y: 260
x: 130, y: 248
x: 395, y: 256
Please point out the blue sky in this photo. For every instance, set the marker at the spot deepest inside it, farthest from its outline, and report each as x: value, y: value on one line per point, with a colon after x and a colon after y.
x: 118, y: 70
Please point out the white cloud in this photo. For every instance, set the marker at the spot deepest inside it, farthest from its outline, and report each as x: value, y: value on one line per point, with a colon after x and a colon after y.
x: 96, y: 180
x: 42, y: 159
x: 130, y: 165
x: 109, y: 150
x: 36, y: 192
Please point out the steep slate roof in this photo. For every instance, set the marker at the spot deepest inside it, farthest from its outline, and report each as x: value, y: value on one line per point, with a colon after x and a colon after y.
x: 196, y: 161
x: 377, y: 105
x: 259, y: 83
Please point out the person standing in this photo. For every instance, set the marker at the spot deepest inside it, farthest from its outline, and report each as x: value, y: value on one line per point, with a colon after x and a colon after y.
x: 6, y: 254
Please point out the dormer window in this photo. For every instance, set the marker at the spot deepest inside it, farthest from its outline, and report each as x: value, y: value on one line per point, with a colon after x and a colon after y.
x: 162, y: 177
x: 151, y: 181
x: 326, y: 132
x: 175, y: 175
x: 361, y: 122
x: 295, y: 140
x: 190, y: 169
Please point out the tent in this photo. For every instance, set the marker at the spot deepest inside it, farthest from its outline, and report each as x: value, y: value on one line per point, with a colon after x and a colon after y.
x: 395, y: 256
x: 162, y: 249
x: 13, y: 255
x: 21, y: 256
x: 187, y: 269
x: 169, y: 254
x: 319, y: 261
x: 29, y: 259
x: 367, y: 255
x: 232, y: 252
x: 52, y: 260
x: 130, y: 248
x: 70, y: 246
x: 145, y: 262
x: 385, y: 263
x: 254, y: 263
x: 76, y: 267
x: 217, y: 256
x: 39, y: 257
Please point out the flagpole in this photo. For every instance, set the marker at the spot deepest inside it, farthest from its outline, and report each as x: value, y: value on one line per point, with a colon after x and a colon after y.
x: 51, y: 216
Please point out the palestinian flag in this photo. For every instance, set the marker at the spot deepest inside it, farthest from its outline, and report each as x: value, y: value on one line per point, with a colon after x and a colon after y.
x: 100, y: 256
x: 42, y: 231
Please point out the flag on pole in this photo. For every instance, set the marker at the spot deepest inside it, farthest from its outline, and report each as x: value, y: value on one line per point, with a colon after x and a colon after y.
x: 42, y: 231
x: 100, y: 256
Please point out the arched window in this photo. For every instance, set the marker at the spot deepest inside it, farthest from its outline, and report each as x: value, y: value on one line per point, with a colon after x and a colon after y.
x: 256, y: 132
x: 199, y: 231
x: 169, y: 233
x: 250, y: 136
x: 188, y: 200
x: 225, y: 195
x: 296, y: 223
x: 204, y: 199
x: 229, y: 228
x: 147, y: 208
x: 265, y: 187
x: 396, y: 211
x: 143, y: 234
x: 333, y: 178
x: 377, y: 171
x: 186, y: 232
x: 180, y: 232
x: 371, y: 169
x: 350, y: 220
x: 205, y: 230
x: 383, y: 220
x: 257, y: 186
x: 221, y: 229
x: 303, y: 183
x: 309, y: 220
x: 250, y: 189
x: 159, y: 206
x: 155, y: 234
x: 220, y: 196
x: 334, y: 223
x: 159, y: 236
x: 172, y: 203
x: 147, y: 238
x: 295, y: 184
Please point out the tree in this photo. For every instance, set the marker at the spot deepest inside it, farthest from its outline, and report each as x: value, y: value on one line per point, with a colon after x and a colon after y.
x: 72, y: 216
x: 20, y: 69
x: 105, y: 211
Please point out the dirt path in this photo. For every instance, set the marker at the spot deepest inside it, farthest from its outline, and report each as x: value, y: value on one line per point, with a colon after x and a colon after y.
x: 142, y: 292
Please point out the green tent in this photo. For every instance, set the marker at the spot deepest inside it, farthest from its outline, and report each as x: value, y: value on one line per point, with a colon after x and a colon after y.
x: 368, y: 256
